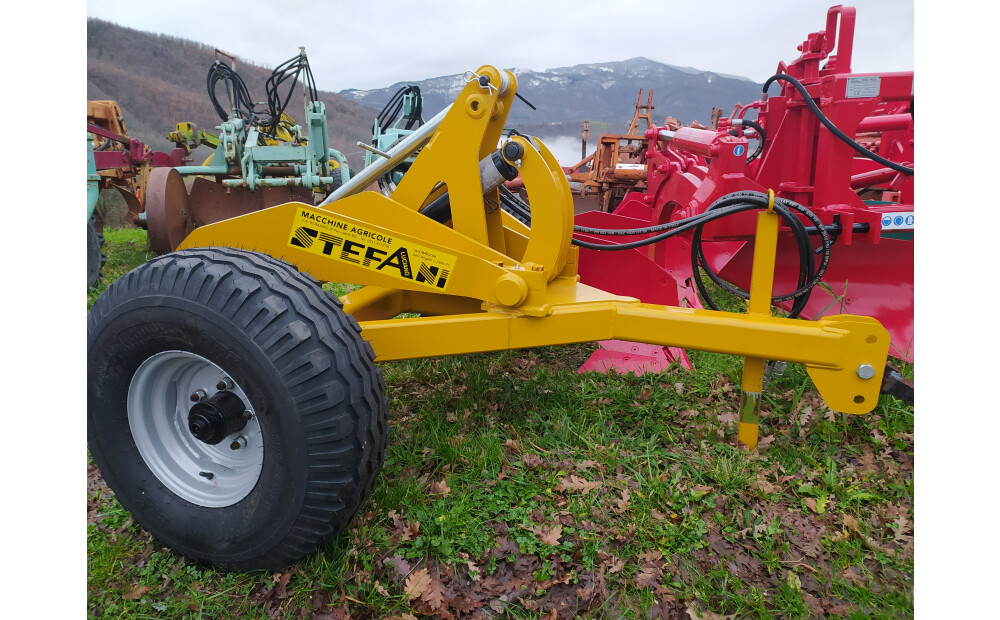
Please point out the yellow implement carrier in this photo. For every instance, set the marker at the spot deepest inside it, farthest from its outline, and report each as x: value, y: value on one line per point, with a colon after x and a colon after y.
x: 235, y: 407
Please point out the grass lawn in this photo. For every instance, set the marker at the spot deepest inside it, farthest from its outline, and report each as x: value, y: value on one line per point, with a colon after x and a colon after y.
x: 516, y: 487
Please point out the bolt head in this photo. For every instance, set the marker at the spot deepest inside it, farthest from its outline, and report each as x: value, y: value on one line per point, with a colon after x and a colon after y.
x: 866, y: 371
x: 198, y: 395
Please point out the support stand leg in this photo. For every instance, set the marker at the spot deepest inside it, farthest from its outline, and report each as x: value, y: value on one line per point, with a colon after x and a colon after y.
x: 761, y: 283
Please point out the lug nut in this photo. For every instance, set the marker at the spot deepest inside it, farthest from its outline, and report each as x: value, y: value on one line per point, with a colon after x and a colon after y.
x: 198, y: 394
x: 239, y: 442
x: 866, y: 371
x: 224, y: 384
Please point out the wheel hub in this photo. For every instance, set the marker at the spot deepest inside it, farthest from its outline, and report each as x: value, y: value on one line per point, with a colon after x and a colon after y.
x: 211, y: 452
x: 215, y: 418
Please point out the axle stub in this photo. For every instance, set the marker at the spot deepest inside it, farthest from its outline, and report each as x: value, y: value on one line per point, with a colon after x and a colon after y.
x: 216, y: 418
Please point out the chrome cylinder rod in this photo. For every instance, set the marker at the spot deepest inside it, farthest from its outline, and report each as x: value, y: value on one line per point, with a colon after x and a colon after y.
x: 394, y: 156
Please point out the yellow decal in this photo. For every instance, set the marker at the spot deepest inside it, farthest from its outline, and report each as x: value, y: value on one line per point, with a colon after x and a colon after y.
x: 322, y: 233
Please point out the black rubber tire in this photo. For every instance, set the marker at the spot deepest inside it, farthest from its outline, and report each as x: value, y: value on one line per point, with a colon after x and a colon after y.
x: 95, y: 257
x: 308, y: 374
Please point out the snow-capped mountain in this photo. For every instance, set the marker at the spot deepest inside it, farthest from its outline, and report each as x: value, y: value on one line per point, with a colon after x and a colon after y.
x: 603, y: 93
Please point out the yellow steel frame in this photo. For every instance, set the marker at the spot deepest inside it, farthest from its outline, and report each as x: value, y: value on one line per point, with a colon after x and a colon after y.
x: 485, y: 282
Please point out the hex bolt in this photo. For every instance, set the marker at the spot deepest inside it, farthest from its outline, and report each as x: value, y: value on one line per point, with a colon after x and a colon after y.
x: 198, y: 394
x: 239, y: 442
x: 224, y: 384
x: 866, y: 371
x: 247, y: 415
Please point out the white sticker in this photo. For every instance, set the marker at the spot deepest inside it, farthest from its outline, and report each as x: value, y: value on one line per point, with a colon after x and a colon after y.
x: 859, y: 87
x: 900, y: 220
x: 630, y: 167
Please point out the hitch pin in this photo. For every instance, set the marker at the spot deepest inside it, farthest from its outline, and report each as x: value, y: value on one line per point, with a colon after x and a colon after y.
x: 371, y: 148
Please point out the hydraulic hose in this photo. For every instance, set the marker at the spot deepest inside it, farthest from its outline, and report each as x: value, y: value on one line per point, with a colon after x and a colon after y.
x: 833, y: 128
x: 737, y: 202
x: 241, y: 102
x: 238, y: 94
x: 760, y: 132
x: 808, y: 277
x: 390, y: 112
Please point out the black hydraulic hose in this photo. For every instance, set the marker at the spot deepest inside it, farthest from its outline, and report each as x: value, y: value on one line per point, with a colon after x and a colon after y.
x: 675, y: 228
x: 516, y: 207
x: 522, y: 211
x: 760, y: 132
x: 392, y: 109
x: 416, y: 116
x: 236, y: 89
x: 808, y: 276
x: 833, y: 128
x: 736, y: 202
x: 290, y: 70
x: 618, y: 232
x: 240, y: 101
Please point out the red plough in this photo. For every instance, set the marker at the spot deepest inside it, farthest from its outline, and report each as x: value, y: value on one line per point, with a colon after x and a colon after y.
x: 840, y: 144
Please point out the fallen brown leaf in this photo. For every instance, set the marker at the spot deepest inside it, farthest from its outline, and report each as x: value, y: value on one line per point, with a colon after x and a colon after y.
x: 136, y: 593
x: 648, y: 577
x: 576, y: 483
x: 439, y: 488
x: 851, y: 523
x: 434, y: 594
x: 416, y: 583
x: 399, y: 565
x: 704, y: 614
x: 532, y: 460
x: 548, y: 535
x: 616, y: 566
x: 622, y: 504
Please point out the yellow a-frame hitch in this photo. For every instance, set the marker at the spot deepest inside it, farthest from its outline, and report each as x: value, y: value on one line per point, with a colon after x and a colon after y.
x: 482, y: 281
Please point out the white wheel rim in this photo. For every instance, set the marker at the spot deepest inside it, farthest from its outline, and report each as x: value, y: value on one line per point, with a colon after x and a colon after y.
x: 159, y: 399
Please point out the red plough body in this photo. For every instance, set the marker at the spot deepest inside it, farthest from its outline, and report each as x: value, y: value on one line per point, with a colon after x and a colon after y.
x: 866, y: 206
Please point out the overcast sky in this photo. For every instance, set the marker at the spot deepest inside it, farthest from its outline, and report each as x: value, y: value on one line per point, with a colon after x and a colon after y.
x: 377, y: 43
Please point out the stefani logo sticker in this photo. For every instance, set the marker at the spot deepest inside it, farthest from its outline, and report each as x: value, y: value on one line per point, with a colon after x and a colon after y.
x: 320, y: 233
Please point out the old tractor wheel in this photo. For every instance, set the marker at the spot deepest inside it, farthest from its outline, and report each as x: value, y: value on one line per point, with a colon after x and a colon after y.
x: 233, y: 407
x: 95, y: 258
